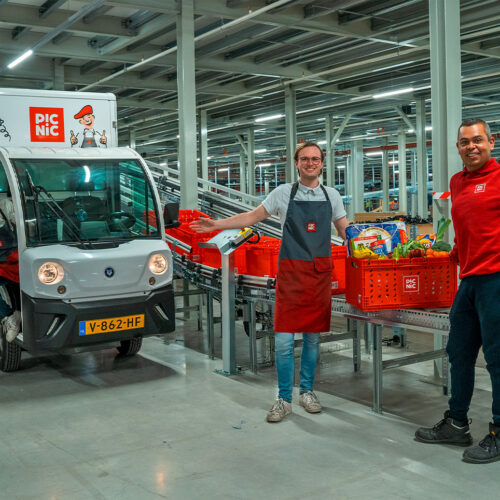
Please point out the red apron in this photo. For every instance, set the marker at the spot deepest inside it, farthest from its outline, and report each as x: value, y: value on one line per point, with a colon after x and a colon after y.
x: 304, y: 279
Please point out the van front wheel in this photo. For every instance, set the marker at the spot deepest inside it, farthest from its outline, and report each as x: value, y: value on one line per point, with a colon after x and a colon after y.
x: 10, y: 355
x: 130, y: 347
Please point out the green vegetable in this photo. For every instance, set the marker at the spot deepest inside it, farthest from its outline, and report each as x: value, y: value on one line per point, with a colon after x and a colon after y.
x: 441, y: 246
x: 442, y: 226
x: 404, y: 249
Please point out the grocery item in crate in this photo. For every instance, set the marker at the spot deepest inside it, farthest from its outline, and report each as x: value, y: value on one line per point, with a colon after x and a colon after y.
x: 405, y: 284
x: 440, y: 245
x: 391, y: 233
x: 426, y: 239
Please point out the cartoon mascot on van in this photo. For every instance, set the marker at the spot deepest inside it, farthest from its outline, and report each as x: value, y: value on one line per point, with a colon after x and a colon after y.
x: 86, y: 118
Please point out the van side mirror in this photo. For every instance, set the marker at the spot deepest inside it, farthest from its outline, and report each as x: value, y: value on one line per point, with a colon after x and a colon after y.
x: 171, y: 215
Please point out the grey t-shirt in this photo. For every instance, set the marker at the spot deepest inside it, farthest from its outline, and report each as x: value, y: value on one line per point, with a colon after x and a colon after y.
x: 276, y: 203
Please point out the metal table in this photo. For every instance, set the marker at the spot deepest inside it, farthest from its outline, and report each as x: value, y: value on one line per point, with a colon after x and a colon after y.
x: 425, y: 320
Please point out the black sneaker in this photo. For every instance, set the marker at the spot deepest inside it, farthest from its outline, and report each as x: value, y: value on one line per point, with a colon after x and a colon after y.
x: 446, y: 431
x: 488, y: 450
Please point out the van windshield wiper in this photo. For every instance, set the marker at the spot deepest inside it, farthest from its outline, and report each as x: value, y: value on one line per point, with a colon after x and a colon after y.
x: 60, y: 213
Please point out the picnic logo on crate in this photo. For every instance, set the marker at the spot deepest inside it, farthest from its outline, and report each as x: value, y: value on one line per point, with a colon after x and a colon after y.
x: 410, y: 283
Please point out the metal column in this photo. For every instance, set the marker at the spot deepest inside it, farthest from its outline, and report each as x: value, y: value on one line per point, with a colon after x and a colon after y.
x: 131, y: 137
x: 385, y: 176
x: 421, y: 159
x: 251, y: 162
x: 446, y: 94
x: 204, y: 144
x: 291, y: 132
x: 187, y: 105
x: 357, y: 179
x: 228, y: 315
x: 403, y: 195
x: 58, y: 73
x: 330, y: 152
x: 243, y: 171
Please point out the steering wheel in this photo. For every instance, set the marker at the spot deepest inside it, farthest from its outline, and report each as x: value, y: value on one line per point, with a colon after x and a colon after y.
x: 115, y: 218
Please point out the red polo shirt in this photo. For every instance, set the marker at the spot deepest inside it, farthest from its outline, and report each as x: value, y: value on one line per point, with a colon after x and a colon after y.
x: 475, y: 211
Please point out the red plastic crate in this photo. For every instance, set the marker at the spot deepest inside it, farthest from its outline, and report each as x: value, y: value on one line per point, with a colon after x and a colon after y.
x: 262, y: 257
x: 339, y: 256
x: 404, y: 284
x: 151, y: 216
x: 207, y: 256
x: 187, y: 235
x: 186, y: 216
x: 211, y: 257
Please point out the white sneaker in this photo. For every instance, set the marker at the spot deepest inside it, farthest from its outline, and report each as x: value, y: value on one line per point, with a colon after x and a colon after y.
x: 12, y: 325
x: 310, y: 402
x: 279, y: 410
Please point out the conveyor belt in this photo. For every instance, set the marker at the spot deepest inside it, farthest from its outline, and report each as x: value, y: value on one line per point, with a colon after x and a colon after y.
x: 254, y: 287
x: 215, y: 204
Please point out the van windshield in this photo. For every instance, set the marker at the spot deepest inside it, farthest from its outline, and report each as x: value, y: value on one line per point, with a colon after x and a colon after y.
x: 66, y: 201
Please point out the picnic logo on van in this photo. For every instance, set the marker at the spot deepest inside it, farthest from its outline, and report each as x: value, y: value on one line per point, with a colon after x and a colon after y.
x: 47, y: 124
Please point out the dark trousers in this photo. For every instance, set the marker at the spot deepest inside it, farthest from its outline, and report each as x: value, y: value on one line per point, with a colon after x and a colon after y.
x: 474, y: 321
x: 14, y: 294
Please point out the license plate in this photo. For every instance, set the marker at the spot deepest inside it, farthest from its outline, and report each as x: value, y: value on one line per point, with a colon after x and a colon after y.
x: 107, y: 325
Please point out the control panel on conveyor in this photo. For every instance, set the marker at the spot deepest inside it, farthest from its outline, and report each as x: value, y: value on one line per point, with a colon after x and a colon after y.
x: 229, y: 240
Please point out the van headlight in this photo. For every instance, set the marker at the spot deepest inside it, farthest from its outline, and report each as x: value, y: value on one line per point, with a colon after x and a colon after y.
x: 158, y: 263
x: 50, y: 273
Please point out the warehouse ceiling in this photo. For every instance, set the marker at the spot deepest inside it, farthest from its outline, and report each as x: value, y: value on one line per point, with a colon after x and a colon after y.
x: 336, y: 54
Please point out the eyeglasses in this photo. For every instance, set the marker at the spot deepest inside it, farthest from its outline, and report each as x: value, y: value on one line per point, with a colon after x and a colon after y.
x: 315, y: 159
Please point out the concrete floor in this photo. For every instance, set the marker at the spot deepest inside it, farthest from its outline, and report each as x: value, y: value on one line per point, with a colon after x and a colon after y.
x: 164, y: 425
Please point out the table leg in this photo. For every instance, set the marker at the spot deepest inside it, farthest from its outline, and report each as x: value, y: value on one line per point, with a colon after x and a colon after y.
x: 377, y: 367
x: 252, y: 336
x: 210, y: 324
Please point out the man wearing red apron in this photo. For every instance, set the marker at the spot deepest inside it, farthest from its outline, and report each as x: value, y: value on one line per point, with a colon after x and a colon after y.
x: 303, y: 286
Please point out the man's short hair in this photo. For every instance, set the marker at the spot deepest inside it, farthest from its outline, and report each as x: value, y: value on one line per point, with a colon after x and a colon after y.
x: 468, y: 122
x: 307, y: 144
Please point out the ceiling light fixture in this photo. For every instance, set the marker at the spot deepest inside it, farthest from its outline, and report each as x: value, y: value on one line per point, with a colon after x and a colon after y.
x: 393, y: 92
x: 268, y: 118
x: 264, y: 150
x: 20, y: 59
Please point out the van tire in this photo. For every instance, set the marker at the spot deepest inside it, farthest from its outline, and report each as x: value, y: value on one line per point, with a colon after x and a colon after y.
x: 10, y: 355
x: 130, y: 347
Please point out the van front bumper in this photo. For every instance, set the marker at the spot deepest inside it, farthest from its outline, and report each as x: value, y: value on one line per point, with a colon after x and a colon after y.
x: 53, y: 325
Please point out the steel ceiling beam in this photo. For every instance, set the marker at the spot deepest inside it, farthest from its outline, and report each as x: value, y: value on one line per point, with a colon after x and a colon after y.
x: 49, y: 7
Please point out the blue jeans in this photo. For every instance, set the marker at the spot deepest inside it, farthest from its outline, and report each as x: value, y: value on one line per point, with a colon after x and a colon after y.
x: 283, y: 346
x: 474, y: 321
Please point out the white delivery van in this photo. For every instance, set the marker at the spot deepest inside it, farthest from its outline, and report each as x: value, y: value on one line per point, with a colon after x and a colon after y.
x: 94, y: 267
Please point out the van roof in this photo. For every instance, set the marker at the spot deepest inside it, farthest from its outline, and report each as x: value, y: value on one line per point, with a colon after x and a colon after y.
x: 57, y: 94
x: 70, y: 153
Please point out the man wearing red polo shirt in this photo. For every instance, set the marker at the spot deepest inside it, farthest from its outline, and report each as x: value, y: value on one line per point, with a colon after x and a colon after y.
x: 475, y: 314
